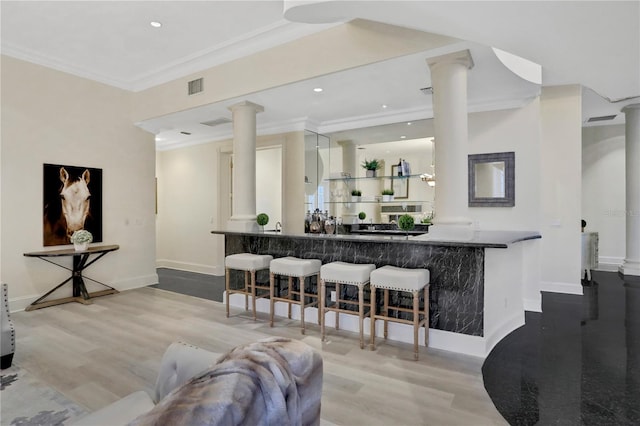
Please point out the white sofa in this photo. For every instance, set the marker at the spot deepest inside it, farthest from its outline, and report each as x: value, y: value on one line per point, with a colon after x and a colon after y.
x: 8, y: 337
x: 275, y: 381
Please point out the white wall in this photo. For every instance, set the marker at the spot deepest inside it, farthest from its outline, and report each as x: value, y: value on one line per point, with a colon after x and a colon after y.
x: 193, y: 191
x: 268, y: 181
x: 53, y: 117
x: 560, y: 201
x: 187, y: 209
x: 515, y: 130
x: 603, y: 190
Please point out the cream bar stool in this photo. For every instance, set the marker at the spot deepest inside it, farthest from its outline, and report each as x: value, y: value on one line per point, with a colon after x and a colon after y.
x: 293, y: 267
x: 403, y: 280
x: 249, y: 263
x: 348, y: 274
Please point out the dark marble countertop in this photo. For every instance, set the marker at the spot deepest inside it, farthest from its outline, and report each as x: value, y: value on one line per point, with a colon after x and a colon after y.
x: 488, y: 239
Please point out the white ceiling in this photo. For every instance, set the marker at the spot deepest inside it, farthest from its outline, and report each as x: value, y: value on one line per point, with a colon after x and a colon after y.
x: 595, y: 44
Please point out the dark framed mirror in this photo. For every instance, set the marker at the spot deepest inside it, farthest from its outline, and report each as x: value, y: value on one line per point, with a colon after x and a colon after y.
x: 492, y: 180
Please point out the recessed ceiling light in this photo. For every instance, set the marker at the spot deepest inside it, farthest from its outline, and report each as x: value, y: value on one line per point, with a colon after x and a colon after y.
x: 318, y: 89
x: 155, y: 24
x: 403, y: 137
x: 384, y: 106
x: 409, y: 123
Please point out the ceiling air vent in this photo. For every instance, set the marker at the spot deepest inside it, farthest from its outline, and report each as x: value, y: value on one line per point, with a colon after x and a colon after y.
x: 427, y: 90
x: 601, y: 118
x: 216, y: 122
x: 196, y: 86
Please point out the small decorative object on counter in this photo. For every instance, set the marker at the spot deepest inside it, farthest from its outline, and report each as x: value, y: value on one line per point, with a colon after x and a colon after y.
x: 262, y: 220
x: 307, y: 222
x: 427, y: 219
x: 406, y: 223
x: 317, y: 222
x: 81, y: 239
x: 330, y: 226
x: 362, y: 215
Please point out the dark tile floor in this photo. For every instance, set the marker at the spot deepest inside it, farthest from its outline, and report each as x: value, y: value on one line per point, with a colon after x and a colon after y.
x: 576, y: 363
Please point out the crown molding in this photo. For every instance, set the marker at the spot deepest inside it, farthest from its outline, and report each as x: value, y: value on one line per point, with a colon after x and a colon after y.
x: 263, y: 38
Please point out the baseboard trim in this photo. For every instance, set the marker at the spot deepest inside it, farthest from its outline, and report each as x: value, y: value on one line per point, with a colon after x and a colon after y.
x: 190, y: 267
x: 500, y: 332
x: 532, y: 305
x: 557, y: 287
x: 19, y: 304
x: 609, y: 264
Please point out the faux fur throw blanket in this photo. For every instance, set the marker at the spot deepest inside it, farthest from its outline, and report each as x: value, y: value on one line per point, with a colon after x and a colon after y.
x: 276, y: 381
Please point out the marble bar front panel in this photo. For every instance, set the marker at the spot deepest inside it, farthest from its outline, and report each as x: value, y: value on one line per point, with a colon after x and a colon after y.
x: 456, y: 272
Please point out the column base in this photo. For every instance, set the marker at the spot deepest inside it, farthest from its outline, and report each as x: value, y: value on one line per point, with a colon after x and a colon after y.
x: 630, y: 267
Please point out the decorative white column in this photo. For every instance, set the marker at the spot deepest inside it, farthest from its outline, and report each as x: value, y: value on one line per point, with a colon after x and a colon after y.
x: 631, y: 264
x: 449, y: 81
x: 244, y: 167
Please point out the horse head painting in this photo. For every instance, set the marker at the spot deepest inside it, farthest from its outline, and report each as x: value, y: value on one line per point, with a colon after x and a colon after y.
x: 69, y: 208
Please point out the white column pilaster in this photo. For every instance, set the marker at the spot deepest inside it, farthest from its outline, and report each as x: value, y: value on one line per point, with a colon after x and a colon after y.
x: 631, y: 264
x: 449, y: 81
x: 244, y: 166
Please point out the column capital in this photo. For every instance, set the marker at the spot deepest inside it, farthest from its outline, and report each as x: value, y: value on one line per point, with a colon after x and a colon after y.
x: 630, y: 107
x: 462, y: 57
x: 244, y: 104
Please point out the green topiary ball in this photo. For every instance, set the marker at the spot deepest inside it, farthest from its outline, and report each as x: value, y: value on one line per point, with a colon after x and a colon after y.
x: 406, y: 222
x: 262, y: 219
x: 362, y: 215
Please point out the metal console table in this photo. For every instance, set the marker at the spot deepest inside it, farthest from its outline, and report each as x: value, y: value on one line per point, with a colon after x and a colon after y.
x: 80, y: 263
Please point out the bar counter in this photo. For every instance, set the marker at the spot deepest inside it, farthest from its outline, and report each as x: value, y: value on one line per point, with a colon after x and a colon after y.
x: 477, y: 278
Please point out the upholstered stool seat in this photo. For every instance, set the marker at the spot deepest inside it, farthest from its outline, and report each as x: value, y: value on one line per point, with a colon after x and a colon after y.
x: 249, y: 263
x: 293, y: 267
x: 349, y: 274
x: 412, y: 281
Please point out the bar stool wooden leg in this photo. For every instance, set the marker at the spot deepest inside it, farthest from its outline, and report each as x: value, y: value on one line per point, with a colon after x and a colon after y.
x: 338, y: 305
x: 361, y: 313
x: 321, y: 311
x: 372, y: 314
x: 386, y: 312
x: 253, y: 293
x: 289, y: 295
x: 246, y: 290
x: 416, y: 323
x: 302, y: 301
x: 226, y: 286
x: 272, y: 281
x: 426, y: 315
x: 318, y: 293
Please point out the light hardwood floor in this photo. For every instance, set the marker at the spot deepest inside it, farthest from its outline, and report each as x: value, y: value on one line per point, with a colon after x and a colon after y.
x: 96, y: 354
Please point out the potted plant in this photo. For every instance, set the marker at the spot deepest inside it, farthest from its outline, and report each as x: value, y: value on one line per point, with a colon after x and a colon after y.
x: 387, y: 195
x: 371, y: 167
x: 355, y: 195
x: 262, y: 220
x: 427, y: 219
x: 406, y: 223
x: 362, y: 216
x: 81, y: 239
